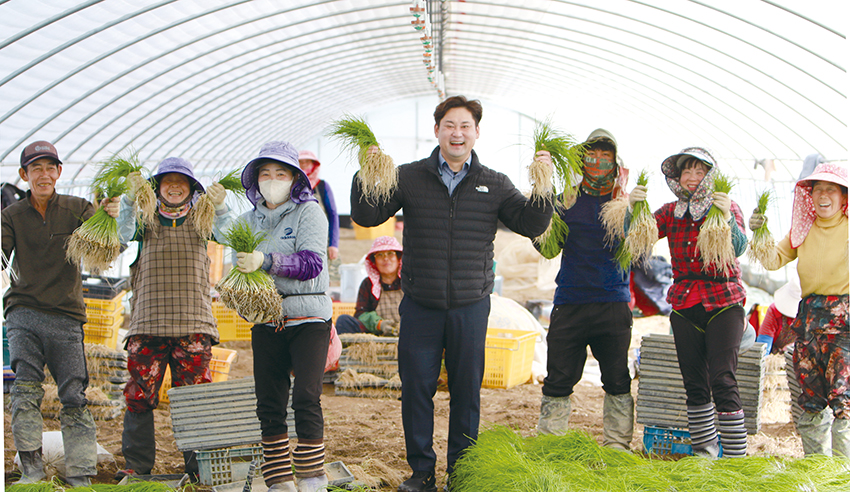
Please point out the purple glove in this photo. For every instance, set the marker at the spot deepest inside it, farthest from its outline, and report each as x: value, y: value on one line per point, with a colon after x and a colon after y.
x: 302, y: 265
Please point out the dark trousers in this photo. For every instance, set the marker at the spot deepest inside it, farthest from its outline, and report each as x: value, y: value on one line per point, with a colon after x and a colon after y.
x: 604, y: 326
x: 424, y: 334
x: 707, y: 346
x: 303, y: 350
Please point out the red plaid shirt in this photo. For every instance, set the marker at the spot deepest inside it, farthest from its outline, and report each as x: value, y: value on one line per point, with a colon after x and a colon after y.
x: 682, y: 237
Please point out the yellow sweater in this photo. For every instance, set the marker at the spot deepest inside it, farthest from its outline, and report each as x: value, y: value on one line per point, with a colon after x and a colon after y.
x: 822, y: 264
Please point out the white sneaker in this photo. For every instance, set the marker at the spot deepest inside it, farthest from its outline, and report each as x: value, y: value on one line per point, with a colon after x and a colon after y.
x: 312, y: 484
x: 288, y: 486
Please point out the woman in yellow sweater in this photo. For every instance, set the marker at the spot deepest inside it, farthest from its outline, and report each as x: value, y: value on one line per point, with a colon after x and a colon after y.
x: 818, y: 240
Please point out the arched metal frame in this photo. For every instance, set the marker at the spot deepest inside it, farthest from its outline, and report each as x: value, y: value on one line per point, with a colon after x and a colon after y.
x: 326, y: 57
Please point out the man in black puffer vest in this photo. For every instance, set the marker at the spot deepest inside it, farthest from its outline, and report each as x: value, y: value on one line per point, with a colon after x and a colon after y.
x: 452, y: 205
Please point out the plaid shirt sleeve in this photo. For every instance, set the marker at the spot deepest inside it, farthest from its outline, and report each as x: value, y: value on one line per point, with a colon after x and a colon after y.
x: 682, y: 239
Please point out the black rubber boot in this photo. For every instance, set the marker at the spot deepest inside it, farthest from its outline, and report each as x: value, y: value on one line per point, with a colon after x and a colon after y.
x: 191, y: 461
x: 138, y: 442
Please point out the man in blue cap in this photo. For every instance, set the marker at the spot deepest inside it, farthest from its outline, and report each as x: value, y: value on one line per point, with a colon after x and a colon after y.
x: 172, y: 322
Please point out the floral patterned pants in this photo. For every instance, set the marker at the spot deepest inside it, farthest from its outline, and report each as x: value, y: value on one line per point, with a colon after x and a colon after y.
x: 821, y: 354
x: 147, y: 356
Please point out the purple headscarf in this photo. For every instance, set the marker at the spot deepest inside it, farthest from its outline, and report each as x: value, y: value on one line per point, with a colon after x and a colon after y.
x: 283, y: 153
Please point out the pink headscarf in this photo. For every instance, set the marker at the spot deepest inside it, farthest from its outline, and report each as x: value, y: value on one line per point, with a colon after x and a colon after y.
x: 803, y: 214
x: 313, y: 175
x: 383, y: 243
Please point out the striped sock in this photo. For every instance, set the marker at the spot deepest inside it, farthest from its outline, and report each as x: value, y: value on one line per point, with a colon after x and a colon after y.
x: 277, y: 467
x: 733, y: 434
x: 701, y: 426
x: 309, y: 458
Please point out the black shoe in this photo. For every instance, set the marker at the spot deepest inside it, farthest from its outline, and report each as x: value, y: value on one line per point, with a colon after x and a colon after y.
x: 421, y: 481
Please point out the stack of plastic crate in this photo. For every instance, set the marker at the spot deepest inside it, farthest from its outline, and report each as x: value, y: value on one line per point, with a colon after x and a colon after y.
x: 104, y: 309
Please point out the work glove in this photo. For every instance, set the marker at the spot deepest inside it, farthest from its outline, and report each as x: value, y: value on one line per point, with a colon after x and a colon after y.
x: 723, y: 203
x: 767, y: 340
x: 217, y: 193
x: 249, y: 262
x: 132, y: 188
x: 388, y: 327
x: 111, y: 206
x: 638, y: 194
x: 757, y: 220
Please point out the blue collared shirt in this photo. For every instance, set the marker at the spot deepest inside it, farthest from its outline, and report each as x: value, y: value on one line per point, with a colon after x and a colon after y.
x: 450, y: 178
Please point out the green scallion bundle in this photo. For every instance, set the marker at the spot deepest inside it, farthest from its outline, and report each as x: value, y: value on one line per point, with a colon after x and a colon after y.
x: 127, y: 166
x: 95, y: 243
x: 203, y: 212
x: 566, y: 156
x: 249, y: 294
x: 762, y: 245
x: 378, y: 174
x: 551, y: 242
x: 714, y: 241
x: 643, y: 231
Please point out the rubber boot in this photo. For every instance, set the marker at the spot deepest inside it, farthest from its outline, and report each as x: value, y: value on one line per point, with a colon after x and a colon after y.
x: 138, y: 442
x: 312, y: 484
x: 704, y: 441
x: 32, y: 467
x: 815, y: 431
x: 554, y: 415
x: 618, y: 421
x: 733, y: 434
x: 79, y: 438
x: 83, y: 481
x: 841, y: 437
x: 190, y: 460
x: 277, y: 465
x: 308, y: 462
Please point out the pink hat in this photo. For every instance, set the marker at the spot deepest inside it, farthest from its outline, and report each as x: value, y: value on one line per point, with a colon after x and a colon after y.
x: 803, y: 214
x: 383, y: 243
x: 306, y: 154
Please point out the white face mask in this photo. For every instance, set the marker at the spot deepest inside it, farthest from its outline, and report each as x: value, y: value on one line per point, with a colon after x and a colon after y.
x: 275, y: 191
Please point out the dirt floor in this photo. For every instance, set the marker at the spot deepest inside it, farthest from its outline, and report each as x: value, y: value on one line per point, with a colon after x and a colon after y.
x: 366, y: 434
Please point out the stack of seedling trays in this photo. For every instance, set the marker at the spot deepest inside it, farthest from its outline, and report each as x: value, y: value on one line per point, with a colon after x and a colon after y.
x: 661, y: 393
x: 104, y: 309
x: 368, y: 367
x: 107, y: 375
x: 793, y: 387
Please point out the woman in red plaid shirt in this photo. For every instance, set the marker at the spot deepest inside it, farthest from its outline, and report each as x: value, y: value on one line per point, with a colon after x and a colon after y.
x: 708, y: 312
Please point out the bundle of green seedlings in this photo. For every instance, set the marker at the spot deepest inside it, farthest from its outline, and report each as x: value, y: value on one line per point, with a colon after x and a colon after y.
x: 551, y: 242
x: 613, y: 218
x: 378, y: 174
x: 643, y: 231
x: 714, y: 241
x: 566, y: 156
x: 502, y: 460
x: 203, y: 212
x: 55, y: 486
x: 95, y: 243
x: 128, y: 167
x: 249, y: 294
x: 762, y: 244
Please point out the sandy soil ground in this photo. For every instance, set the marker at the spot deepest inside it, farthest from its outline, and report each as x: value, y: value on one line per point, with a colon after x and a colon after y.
x: 367, y: 435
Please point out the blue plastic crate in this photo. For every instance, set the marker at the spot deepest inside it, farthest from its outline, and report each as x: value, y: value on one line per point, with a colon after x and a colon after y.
x: 226, y: 465
x: 660, y: 440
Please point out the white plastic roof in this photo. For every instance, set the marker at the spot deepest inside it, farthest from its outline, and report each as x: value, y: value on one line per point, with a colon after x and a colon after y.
x: 211, y: 80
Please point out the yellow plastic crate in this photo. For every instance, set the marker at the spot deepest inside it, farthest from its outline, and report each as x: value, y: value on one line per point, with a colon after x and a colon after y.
x: 385, y: 229
x: 231, y: 326
x: 343, y: 308
x: 507, y: 357
x: 101, y: 306
x: 220, y: 363
x: 104, y: 334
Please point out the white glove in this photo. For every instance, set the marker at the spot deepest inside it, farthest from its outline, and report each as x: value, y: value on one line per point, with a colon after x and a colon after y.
x: 723, y: 203
x: 249, y: 262
x: 757, y: 220
x: 638, y: 194
x: 217, y: 193
x: 131, y: 180
x: 111, y: 206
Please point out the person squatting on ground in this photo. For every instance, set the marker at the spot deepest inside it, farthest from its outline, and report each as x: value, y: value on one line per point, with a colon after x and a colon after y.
x: 294, y: 255
x: 376, y: 311
x: 591, y: 304
x: 452, y: 205
x: 45, y: 312
x: 775, y: 330
x: 310, y: 164
x: 172, y: 323
x: 708, y: 313
x: 818, y: 240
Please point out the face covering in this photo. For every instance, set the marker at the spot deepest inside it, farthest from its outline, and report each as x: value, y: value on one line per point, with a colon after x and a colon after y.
x: 275, y: 191
x: 599, y: 176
